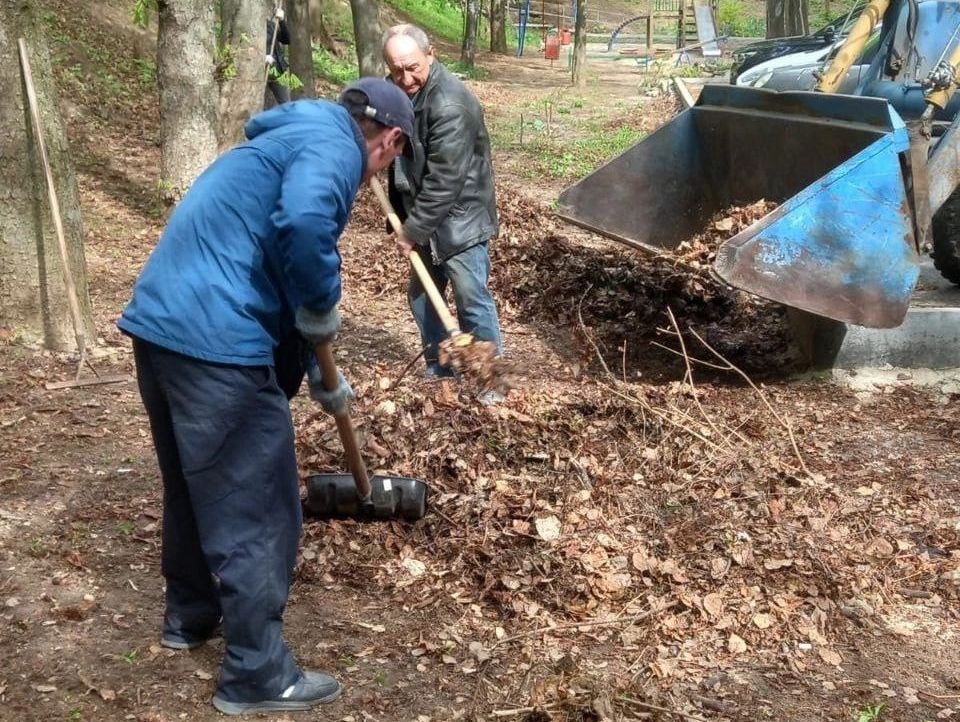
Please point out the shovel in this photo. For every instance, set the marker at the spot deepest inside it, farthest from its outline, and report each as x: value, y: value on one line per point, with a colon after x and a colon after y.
x: 357, y: 495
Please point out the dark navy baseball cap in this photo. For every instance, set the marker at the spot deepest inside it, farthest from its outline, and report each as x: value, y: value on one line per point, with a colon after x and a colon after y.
x: 381, y: 101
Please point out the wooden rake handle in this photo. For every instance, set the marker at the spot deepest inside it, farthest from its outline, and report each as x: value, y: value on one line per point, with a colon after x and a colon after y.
x: 439, y: 304
x: 73, y: 298
x: 328, y: 369
x: 273, y: 40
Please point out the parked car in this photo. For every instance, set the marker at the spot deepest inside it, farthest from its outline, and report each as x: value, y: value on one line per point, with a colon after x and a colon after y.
x: 800, y: 71
x: 754, y: 54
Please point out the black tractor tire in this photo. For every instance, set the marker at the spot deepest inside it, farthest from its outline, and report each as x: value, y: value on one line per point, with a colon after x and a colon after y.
x: 946, y: 239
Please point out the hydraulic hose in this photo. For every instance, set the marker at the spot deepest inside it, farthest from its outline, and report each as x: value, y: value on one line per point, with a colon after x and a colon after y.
x: 942, y: 82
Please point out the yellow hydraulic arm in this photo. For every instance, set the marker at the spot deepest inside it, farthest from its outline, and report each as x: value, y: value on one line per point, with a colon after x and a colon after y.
x: 852, y: 46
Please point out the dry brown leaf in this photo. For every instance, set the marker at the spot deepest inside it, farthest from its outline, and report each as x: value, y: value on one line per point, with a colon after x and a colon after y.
x: 548, y: 528
x: 736, y: 644
x: 613, y: 582
x: 663, y: 668
x: 713, y: 603
x: 762, y: 620
x: 830, y: 656
x: 880, y: 547
x: 719, y: 567
x: 774, y: 564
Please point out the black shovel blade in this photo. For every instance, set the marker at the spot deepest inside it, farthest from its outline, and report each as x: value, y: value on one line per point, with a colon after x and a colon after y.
x: 335, y: 496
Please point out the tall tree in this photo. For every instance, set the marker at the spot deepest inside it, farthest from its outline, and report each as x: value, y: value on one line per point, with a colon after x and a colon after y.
x: 318, y: 28
x: 33, y: 297
x: 301, y: 47
x: 498, y: 27
x: 240, y: 67
x: 580, y: 45
x: 786, y: 18
x: 471, y: 25
x: 188, y: 93
x: 367, y: 32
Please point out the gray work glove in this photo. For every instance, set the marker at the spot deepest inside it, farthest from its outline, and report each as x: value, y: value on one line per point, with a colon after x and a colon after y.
x: 333, y: 402
x: 318, y: 327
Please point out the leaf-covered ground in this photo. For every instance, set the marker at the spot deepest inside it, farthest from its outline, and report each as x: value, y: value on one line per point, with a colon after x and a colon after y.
x: 659, y: 523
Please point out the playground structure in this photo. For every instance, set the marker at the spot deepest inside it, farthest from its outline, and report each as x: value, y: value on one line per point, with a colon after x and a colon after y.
x: 692, y: 23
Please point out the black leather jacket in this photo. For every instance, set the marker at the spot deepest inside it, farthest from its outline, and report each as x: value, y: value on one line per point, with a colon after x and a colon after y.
x: 445, y: 194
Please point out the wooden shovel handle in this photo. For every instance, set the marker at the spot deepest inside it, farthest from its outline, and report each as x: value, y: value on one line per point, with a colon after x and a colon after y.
x: 328, y: 369
x: 439, y: 305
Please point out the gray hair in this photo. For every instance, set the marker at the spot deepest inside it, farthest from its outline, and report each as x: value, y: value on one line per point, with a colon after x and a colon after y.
x: 409, y: 31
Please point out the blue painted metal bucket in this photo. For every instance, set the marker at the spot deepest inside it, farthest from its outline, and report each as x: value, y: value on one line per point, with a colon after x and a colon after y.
x: 841, y: 243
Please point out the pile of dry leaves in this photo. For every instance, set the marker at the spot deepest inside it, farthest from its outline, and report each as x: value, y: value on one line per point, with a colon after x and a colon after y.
x: 699, y: 252
x: 619, y: 296
x: 596, y: 544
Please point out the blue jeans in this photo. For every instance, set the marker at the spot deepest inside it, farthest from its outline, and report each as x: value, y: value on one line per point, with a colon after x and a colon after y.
x: 468, y: 272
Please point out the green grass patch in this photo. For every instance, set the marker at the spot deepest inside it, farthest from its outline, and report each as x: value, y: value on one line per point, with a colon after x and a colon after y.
x: 438, y: 18
x: 329, y: 67
x: 734, y: 18
x: 465, y: 71
x: 574, y: 142
x: 584, y: 155
x: 744, y: 19
x: 872, y: 713
x: 531, y: 41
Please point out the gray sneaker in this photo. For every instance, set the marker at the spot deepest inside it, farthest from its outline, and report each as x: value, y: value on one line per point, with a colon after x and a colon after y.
x: 311, y: 689
x: 491, y: 398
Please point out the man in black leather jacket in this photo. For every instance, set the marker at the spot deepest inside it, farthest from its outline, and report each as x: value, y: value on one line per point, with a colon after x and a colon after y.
x: 445, y: 194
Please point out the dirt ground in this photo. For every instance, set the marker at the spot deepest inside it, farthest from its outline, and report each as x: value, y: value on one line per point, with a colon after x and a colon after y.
x: 620, y: 540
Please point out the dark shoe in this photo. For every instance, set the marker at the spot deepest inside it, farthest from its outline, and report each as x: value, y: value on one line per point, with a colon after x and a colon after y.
x: 436, y: 372
x: 181, y: 640
x: 311, y: 689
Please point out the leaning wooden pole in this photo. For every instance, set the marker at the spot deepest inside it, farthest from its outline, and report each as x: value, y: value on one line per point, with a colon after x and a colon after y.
x: 72, y: 296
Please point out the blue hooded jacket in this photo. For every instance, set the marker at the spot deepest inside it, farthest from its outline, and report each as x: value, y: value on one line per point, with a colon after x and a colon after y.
x: 253, y: 239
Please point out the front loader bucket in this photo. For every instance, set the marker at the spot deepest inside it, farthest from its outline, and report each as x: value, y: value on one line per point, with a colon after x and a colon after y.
x: 840, y: 244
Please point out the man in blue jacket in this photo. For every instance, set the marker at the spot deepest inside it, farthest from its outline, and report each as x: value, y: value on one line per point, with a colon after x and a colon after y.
x: 248, y: 259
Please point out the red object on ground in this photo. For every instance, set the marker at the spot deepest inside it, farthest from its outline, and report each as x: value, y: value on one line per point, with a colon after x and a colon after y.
x: 551, y: 49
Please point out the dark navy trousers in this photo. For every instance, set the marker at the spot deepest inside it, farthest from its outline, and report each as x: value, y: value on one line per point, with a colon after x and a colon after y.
x: 231, y: 511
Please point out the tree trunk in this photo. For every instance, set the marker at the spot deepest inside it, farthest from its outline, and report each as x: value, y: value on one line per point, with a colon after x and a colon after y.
x: 241, y: 70
x: 301, y: 48
x: 786, y: 18
x: 367, y: 31
x: 471, y: 20
x: 34, y: 305
x: 498, y: 27
x: 318, y: 28
x: 580, y: 46
x: 188, y: 93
